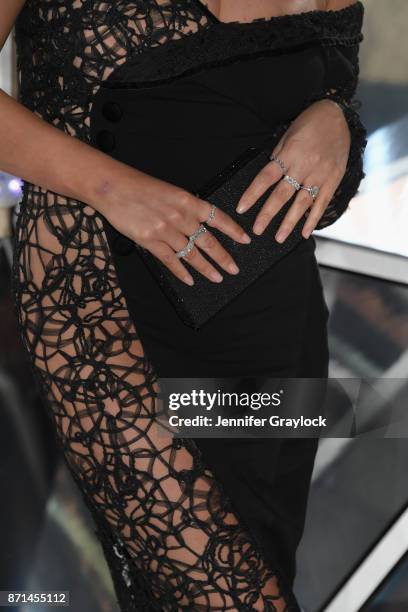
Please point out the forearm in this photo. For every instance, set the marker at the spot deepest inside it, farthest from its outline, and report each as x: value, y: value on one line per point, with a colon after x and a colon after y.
x: 39, y: 153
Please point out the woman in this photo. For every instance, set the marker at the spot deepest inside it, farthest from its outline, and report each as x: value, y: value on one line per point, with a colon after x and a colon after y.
x: 184, y: 524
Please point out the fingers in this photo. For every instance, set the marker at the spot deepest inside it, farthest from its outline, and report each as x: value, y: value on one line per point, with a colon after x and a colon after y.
x: 302, y: 203
x: 278, y: 198
x: 191, y: 211
x: 166, y: 253
x: 167, y: 256
x: 320, y: 205
x: 211, y: 246
x: 171, y: 231
x: 269, y: 175
x: 223, y: 222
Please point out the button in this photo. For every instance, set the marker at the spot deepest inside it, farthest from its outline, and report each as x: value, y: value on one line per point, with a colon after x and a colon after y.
x: 105, y: 140
x: 112, y: 111
x: 123, y: 245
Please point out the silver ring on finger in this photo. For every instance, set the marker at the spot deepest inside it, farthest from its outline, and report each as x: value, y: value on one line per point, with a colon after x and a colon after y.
x: 313, y: 190
x: 187, y: 249
x: 191, y: 240
x: 292, y: 181
x: 280, y: 163
x: 201, y: 230
x: 212, y: 213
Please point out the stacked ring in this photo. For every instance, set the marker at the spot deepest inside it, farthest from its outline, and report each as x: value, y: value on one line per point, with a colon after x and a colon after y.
x: 313, y: 190
x: 200, y: 230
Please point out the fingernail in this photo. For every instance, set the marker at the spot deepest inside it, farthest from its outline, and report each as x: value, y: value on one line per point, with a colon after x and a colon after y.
x: 240, y: 208
x: 189, y: 280
x: 241, y: 203
x: 258, y: 228
x: 280, y: 236
x: 233, y: 268
x: 246, y: 238
x: 307, y: 234
x: 216, y: 276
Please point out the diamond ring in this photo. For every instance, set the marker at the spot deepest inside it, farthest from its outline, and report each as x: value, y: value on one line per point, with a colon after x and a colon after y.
x: 191, y: 239
x: 292, y: 181
x: 313, y: 190
x: 198, y: 232
x: 187, y: 249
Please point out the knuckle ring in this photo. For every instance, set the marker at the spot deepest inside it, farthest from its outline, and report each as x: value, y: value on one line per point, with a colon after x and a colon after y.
x: 280, y: 163
x: 292, y: 181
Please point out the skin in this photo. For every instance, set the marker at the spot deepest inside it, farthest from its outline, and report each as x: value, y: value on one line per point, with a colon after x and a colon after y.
x: 39, y: 153
x: 315, y: 150
x: 247, y: 10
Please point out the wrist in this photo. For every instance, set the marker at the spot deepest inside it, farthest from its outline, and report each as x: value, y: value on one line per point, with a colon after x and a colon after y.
x: 103, y: 190
x: 339, y: 109
x: 339, y: 103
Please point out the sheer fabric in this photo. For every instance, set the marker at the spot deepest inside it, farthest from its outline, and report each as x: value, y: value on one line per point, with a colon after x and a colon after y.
x: 171, y: 537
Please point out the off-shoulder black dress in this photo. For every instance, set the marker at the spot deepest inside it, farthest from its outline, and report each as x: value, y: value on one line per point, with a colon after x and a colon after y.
x: 164, y: 86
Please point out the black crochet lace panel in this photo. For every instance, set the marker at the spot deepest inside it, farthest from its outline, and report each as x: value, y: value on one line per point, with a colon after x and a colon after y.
x: 170, y: 535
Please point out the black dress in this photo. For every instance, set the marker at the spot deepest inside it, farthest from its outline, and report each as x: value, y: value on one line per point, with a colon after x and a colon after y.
x: 200, y: 524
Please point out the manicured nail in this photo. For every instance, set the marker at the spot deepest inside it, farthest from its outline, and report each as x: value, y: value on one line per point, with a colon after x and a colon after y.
x: 258, y: 228
x: 216, y: 276
x: 241, y: 204
x: 189, y: 280
x: 246, y: 238
x: 233, y: 268
x: 281, y: 236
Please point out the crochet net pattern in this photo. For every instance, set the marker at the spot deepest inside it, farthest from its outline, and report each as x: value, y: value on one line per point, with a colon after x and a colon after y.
x: 170, y: 535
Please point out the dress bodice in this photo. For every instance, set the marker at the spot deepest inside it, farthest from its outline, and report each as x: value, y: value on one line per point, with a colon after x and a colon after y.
x: 184, y: 130
x: 67, y: 52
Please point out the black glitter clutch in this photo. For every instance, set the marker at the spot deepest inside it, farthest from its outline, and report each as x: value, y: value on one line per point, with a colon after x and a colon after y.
x: 197, y: 304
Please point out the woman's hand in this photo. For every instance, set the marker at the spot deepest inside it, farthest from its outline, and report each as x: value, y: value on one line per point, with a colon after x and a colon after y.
x: 160, y: 216
x: 315, y: 151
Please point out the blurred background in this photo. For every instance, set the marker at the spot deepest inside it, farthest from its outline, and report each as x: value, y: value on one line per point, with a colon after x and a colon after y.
x: 353, y: 555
